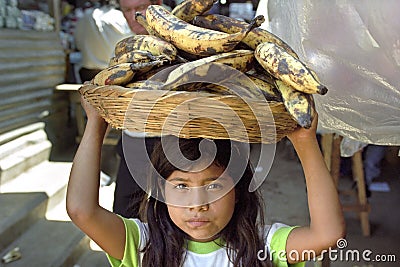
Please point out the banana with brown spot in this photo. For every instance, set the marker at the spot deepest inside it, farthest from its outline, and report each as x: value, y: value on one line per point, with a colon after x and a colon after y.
x: 145, y: 85
x: 231, y: 25
x: 187, y: 10
x: 193, y: 39
x: 155, y: 45
x: 136, y: 56
x: 287, y: 68
x: 141, y: 19
x: 269, y: 90
x: 299, y: 105
x: 241, y: 60
x: 115, y: 75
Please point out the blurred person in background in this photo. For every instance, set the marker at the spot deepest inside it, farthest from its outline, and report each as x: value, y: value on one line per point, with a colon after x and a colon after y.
x: 97, y: 31
x: 96, y: 34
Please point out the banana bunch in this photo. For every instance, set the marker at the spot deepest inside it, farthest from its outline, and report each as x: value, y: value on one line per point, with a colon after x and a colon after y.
x: 186, y: 48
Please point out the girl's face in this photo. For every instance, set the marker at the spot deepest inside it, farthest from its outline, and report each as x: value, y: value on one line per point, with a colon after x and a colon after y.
x: 200, y: 203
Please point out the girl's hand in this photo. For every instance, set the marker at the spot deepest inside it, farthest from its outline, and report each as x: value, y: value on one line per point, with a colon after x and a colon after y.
x: 93, y: 117
x: 91, y: 112
x: 302, y: 135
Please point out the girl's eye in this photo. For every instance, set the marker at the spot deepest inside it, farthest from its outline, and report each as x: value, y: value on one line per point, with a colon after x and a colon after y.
x: 214, y: 186
x: 181, y: 186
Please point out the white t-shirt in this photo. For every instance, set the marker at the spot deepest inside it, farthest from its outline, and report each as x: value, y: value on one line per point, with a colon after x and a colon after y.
x: 201, y: 254
x: 97, y: 33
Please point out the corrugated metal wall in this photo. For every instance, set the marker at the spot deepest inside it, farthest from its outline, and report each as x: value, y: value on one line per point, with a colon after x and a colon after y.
x: 31, y: 65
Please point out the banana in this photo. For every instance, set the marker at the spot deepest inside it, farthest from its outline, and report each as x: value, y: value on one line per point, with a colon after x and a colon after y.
x: 143, y: 67
x: 155, y: 45
x: 269, y: 90
x: 156, y: 71
x: 189, y: 87
x: 141, y: 19
x: 225, y: 89
x: 144, y: 85
x: 193, y: 39
x: 187, y: 10
x: 299, y: 105
x: 115, y: 75
x: 231, y: 25
x: 287, y: 68
x: 241, y: 60
x: 136, y: 56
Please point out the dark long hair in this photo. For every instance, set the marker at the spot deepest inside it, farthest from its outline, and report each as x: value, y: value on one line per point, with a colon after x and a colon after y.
x: 242, y: 236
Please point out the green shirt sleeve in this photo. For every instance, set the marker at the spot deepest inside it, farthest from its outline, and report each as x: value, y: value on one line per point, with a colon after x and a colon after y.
x: 278, y: 248
x: 131, y: 253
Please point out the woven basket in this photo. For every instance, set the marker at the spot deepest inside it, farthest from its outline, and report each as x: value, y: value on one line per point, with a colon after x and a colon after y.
x: 191, y: 114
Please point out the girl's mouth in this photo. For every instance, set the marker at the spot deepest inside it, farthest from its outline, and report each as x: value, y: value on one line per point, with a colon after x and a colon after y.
x: 197, y: 222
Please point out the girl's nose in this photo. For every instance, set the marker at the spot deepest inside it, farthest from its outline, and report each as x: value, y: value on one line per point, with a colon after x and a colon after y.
x: 200, y: 208
x: 198, y: 197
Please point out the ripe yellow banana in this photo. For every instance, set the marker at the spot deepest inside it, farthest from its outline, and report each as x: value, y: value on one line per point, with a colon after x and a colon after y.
x: 155, y: 45
x: 115, y: 75
x: 188, y: 9
x: 287, y: 68
x: 299, y: 105
x: 136, y: 56
x: 231, y: 25
x: 193, y: 39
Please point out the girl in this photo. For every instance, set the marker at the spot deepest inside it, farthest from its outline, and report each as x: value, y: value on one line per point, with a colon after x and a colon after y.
x: 199, y: 211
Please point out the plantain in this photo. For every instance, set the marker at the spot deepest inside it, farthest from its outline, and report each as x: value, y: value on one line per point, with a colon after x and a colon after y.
x: 136, y: 56
x: 222, y: 88
x: 141, y: 19
x: 115, y: 75
x: 155, y: 45
x: 241, y: 60
x: 287, y: 68
x: 231, y: 25
x: 268, y: 89
x: 299, y: 105
x: 156, y: 71
x: 190, y: 38
x: 144, y: 85
x: 187, y: 10
x: 144, y: 67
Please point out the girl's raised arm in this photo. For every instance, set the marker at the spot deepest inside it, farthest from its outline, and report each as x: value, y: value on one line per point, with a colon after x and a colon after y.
x: 327, y: 224
x: 101, y: 225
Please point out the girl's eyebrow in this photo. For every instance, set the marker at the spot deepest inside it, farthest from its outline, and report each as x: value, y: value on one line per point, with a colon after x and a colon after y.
x: 180, y: 179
